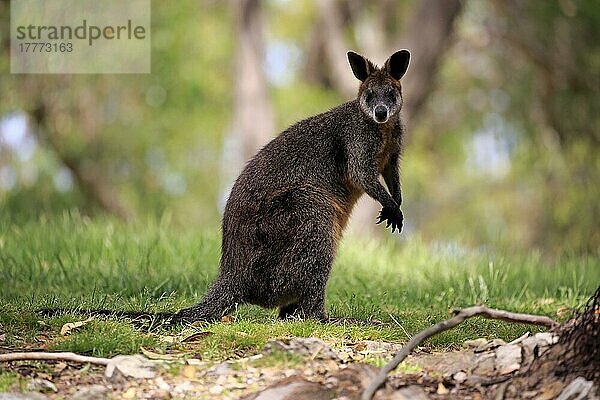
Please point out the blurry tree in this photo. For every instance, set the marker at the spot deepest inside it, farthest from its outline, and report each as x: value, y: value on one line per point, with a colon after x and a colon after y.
x: 125, y: 157
x: 509, y: 151
x: 253, y: 116
x: 66, y: 119
x: 559, y: 41
x: 502, y: 101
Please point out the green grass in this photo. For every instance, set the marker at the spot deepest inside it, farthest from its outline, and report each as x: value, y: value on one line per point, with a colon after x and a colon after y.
x: 10, y: 382
x: 73, y: 262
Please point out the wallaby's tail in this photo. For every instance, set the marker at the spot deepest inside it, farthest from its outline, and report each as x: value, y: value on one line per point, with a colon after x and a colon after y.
x: 143, y: 319
x: 220, y: 299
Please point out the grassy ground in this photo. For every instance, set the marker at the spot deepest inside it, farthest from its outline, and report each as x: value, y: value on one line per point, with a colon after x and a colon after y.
x: 407, y: 284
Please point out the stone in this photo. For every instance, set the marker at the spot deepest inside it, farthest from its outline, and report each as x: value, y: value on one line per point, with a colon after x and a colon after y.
x: 485, y: 364
x: 460, y: 377
x: 441, y: 389
x: 351, y: 380
x: 308, y: 347
x: 92, y: 392
x: 490, y: 345
x: 41, y: 385
x: 508, y: 358
x: 22, y: 396
x: 223, y: 368
x: 216, y: 389
x: 475, y: 343
x: 373, y: 346
x: 162, y: 384
x: 546, y: 338
x: 293, y: 389
x: 136, y: 366
x: 409, y: 393
x: 530, y: 350
x: 579, y: 389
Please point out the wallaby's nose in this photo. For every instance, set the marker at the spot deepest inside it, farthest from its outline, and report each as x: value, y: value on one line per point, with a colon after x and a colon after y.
x: 381, y: 113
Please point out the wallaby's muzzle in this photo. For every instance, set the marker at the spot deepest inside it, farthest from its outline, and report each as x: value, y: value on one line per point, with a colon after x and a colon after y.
x: 381, y: 113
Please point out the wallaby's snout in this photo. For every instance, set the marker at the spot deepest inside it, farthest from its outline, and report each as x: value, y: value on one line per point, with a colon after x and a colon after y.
x: 381, y: 113
x: 381, y: 99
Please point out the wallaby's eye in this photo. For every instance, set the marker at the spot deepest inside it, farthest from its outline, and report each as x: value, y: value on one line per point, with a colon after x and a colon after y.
x: 391, y: 93
x: 368, y: 95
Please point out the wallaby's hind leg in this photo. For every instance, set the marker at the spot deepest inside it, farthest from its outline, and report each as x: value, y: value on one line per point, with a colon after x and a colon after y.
x: 311, y: 262
x: 303, y: 220
x: 220, y: 299
x: 288, y: 311
x: 312, y: 301
x: 310, y: 305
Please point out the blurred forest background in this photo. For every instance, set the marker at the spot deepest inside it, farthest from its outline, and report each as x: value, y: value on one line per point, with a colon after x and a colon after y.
x: 502, y: 101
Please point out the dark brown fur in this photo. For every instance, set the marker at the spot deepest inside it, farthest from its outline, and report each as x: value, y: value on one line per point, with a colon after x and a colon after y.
x: 289, y: 206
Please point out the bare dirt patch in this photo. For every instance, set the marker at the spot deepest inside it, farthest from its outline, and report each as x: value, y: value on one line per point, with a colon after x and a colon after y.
x: 308, y: 368
x: 563, y: 364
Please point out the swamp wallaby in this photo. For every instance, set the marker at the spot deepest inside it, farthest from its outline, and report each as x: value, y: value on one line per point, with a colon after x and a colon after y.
x: 289, y: 206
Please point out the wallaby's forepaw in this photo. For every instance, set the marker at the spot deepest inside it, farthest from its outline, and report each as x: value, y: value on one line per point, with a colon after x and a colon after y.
x: 394, y: 218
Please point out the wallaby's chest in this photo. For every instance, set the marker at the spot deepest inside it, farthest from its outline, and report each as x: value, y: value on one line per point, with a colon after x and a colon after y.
x: 389, y: 144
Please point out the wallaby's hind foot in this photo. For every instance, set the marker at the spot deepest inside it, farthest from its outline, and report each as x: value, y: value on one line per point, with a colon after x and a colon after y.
x: 293, y: 312
x: 219, y: 300
x: 288, y: 311
x: 311, y: 304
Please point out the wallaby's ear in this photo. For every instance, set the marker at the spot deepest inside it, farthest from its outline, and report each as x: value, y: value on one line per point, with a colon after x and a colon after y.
x: 397, y: 64
x: 361, y: 67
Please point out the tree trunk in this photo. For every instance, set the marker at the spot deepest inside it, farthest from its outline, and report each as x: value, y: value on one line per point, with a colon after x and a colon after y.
x: 89, y: 177
x: 428, y: 36
x: 253, y: 117
x: 335, y: 48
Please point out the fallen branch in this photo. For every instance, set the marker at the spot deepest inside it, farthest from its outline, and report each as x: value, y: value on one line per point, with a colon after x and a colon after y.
x: 460, y: 316
x: 134, y: 366
x: 53, y: 357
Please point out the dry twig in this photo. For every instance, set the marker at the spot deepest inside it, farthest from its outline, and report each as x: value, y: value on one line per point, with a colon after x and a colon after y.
x: 53, y: 357
x: 460, y: 316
